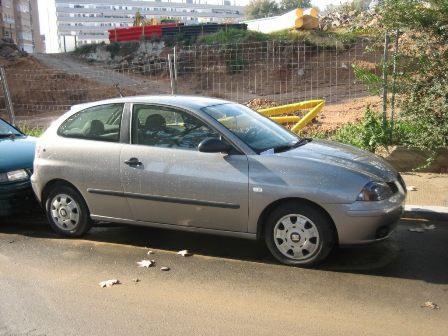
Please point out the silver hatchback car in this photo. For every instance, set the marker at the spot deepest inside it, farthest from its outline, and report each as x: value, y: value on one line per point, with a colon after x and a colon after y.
x: 212, y: 166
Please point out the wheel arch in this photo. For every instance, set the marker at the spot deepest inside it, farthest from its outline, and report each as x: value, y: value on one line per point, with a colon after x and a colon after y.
x: 51, y: 184
x: 269, y: 208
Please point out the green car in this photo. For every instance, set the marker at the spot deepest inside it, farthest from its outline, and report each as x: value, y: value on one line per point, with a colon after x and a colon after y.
x: 16, y: 165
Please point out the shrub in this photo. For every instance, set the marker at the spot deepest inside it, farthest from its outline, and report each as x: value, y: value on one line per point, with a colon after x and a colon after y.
x: 86, y: 49
x: 368, y: 134
x: 122, y: 48
x: 422, y: 81
x: 236, y: 64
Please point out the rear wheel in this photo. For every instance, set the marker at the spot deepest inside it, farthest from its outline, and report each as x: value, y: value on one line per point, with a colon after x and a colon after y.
x: 67, y: 211
x: 299, y: 234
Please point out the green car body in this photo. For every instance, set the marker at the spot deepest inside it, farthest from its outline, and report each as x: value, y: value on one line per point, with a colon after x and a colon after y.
x: 16, y: 164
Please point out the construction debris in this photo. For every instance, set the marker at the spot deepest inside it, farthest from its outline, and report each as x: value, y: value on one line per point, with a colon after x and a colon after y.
x: 423, y: 228
x: 109, y: 283
x: 430, y: 305
x: 10, y: 51
x: 146, y: 263
x: 342, y: 17
x: 184, y: 253
x: 299, y: 18
x: 419, y: 230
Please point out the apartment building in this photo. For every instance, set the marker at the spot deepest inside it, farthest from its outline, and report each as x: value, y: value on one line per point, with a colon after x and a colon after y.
x: 7, y: 19
x: 19, y: 20
x: 87, y: 21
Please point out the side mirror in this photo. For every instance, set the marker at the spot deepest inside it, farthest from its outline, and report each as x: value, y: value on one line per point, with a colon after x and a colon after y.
x: 212, y: 145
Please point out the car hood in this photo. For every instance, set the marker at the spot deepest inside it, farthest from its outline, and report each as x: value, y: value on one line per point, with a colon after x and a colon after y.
x: 16, y: 153
x: 345, y: 156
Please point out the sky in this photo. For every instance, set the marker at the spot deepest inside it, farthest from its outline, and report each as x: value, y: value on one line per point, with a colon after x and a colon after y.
x: 47, y: 18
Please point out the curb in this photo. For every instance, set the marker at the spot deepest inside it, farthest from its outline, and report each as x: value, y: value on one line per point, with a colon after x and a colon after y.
x: 437, y: 213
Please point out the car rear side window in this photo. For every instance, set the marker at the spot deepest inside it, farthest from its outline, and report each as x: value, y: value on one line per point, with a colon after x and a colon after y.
x: 160, y: 126
x: 100, y: 123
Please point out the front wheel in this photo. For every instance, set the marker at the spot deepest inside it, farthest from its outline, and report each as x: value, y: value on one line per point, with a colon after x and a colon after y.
x: 299, y: 234
x: 67, y: 212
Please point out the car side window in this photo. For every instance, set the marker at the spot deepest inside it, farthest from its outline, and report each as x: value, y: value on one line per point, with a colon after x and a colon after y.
x: 101, y: 123
x: 159, y: 126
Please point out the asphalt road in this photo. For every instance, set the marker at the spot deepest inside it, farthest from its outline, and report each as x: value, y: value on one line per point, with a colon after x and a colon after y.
x: 49, y: 285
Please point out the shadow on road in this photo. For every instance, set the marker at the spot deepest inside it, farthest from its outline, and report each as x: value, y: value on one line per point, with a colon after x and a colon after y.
x: 407, y: 255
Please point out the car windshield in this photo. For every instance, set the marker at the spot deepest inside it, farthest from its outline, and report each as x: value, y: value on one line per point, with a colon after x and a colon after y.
x: 258, y: 132
x: 7, y: 130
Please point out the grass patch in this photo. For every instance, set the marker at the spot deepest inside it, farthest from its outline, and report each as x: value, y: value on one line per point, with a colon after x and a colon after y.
x: 233, y: 36
x: 327, y: 40
x: 35, y: 131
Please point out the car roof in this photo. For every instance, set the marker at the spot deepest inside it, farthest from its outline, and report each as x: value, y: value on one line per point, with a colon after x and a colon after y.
x: 181, y: 101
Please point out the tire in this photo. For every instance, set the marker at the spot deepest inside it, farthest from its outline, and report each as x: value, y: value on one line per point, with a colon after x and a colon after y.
x: 299, y: 234
x: 67, y: 211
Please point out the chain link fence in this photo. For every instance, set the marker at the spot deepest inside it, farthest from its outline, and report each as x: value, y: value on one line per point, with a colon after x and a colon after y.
x: 282, y: 72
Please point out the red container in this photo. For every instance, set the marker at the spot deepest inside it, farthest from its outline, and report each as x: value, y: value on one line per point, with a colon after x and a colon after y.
x: 136, y: 33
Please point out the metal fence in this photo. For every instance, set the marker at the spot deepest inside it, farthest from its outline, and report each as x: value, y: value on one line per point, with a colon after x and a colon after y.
x: 281, y: 72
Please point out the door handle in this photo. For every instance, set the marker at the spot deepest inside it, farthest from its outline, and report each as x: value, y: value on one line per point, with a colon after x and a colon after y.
x: 133, y: 162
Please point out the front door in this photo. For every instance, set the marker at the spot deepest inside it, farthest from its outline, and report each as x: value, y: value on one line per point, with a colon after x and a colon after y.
x: 167, y: 180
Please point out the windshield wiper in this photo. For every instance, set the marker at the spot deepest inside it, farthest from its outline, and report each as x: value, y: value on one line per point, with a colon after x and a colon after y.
x: 287, y: 147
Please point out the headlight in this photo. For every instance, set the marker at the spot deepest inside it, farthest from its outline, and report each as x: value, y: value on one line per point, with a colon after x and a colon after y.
x: 17, y: 175
x: 375, y: 191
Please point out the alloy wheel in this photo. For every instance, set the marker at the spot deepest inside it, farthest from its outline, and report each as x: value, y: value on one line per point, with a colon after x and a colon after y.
x: 296, y: 237
x: 65, y: 212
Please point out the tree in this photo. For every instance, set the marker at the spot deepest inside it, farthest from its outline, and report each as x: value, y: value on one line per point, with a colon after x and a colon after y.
x: 360, y: 5
x: 288, y: 5
x: 422, y: 83
x: 257, y: 9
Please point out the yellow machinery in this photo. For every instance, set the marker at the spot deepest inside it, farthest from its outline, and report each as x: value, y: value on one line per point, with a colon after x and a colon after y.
x: 280, y: 113
x: 140, y: 20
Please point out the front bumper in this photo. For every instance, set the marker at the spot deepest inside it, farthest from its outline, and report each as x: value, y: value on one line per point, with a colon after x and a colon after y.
x: 16, y: 197
x: 367, y: 222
